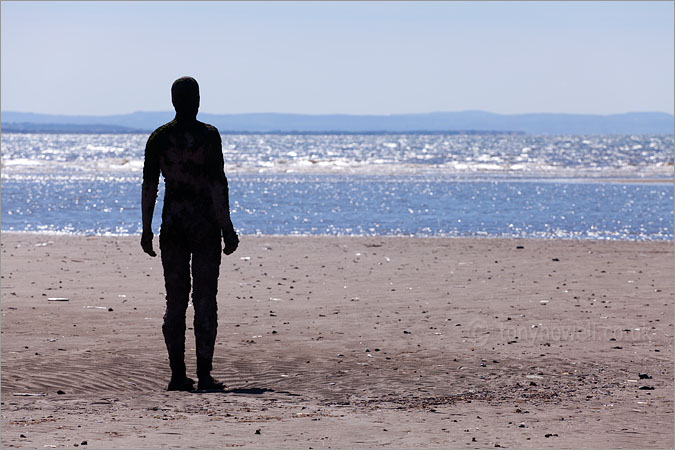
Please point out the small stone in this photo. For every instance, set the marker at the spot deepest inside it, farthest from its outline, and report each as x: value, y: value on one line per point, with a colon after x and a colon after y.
x: 644, y: 376
x: 23, y: 436
x: 522, y: 425
x: 257, y: 431
x: 646, y: 388
x: 60, y: 392
x: 83, y: 443
x: 110, y: 309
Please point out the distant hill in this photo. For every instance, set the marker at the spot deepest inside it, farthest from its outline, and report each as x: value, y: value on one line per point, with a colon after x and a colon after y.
x: 27, y: 127
x: 475, y: 121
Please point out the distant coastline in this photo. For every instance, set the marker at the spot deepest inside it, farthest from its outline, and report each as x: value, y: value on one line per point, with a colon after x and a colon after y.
x: 462, y: 122
x: 51, y: 128
x: 67, y: 128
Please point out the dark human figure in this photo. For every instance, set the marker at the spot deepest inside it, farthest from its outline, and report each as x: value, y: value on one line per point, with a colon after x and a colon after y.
x: 195, y: 216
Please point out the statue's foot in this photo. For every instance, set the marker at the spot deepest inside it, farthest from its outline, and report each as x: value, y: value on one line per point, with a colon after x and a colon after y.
x: 181, y: 384
x: 208, y: 383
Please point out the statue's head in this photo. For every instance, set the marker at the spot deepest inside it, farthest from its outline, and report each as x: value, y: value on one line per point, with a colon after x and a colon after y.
x: 185, y: 96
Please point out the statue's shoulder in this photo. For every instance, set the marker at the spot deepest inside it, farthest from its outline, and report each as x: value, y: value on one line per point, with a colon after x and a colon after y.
x: 210, y: 130
x: 164, y: 129
x: 160, y: 134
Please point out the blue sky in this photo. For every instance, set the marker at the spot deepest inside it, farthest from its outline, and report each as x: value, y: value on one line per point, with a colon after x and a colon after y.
x: 331, y: 57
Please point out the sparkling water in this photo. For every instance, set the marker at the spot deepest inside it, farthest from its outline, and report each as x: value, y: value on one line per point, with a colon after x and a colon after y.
x: 598, y: 187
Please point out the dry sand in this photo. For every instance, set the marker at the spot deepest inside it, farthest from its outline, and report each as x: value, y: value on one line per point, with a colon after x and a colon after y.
x: 332, y: 342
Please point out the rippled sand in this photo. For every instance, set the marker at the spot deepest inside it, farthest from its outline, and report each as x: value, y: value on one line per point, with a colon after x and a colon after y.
x: 346, y: 343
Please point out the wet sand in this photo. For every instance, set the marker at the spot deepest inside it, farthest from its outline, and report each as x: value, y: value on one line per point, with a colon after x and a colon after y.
x: 329, y: 342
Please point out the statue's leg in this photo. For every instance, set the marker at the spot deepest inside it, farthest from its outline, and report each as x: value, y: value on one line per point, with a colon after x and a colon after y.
x: 205, y: 270
x: 176, y: 262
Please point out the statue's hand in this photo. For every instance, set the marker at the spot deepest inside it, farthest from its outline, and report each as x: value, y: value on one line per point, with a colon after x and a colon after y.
x: 146, y: 243
x: 231, y: 241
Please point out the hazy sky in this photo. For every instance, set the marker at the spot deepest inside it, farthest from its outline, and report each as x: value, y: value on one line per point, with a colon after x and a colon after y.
x: 354, y: 58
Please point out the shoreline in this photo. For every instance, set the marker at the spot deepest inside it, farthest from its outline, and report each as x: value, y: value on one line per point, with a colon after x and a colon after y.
x: 384, y: 236
x: 367, y: 342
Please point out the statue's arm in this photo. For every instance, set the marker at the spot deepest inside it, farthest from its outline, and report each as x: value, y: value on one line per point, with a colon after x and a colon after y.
x: 220, y: 195
x: 149, y: 191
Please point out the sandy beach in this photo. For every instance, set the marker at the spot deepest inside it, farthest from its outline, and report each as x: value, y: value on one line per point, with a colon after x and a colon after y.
x: 328, y: 342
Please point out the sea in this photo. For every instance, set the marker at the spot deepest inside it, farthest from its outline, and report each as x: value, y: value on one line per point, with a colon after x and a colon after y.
x: 608, y: 187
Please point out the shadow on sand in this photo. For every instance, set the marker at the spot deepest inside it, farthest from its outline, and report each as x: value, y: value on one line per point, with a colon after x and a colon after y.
x: 244, y: 391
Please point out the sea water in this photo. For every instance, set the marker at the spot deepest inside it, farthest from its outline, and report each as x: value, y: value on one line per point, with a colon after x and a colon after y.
x: 494, y: 185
